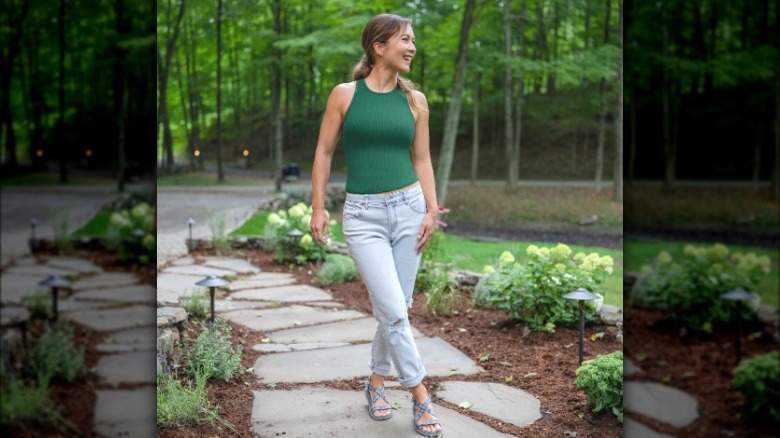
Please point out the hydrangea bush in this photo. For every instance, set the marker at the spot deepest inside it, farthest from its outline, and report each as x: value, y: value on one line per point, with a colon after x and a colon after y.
x: 123, y: 227
x: 305, y: 248
x: 689, y: 288
x: 532, y: 291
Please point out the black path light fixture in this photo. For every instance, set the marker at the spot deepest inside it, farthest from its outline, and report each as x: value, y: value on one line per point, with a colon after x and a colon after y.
x: 294, y: 235
x: 581, y: 295
x: 212, y: 282
x: 54, y: 282
x: 190, y: 243
x: 33, y: 242
x: 738, y: 295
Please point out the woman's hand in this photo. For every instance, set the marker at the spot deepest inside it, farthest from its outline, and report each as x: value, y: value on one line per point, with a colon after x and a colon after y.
x: 426, y: 232
x: 319, y: 225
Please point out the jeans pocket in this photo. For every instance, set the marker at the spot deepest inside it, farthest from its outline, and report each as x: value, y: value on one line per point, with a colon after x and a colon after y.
x: 417, y: 204
x: 352, y: 210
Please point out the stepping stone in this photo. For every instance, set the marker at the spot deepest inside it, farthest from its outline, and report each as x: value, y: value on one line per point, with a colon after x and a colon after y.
x: 264, y: 279
x: 138, y: 367
x: 27, y: 261
x: 334, y: 413
x: 663, y: 403
x: 635, y: 429
x: 295, y: 293
x: 13, y: 315
x: 198, y: 271
x: 502, y: 402
x: 115, y: 319
x: 16, y: 287
x: 284, y: 348
x: 105, y: 280
x: 229, y: 305
x: 183, y: 261
x: 325, y: 304
x: 286, y: 317
x: 357, y: 330
x: 171, y: 287
x: 138, y: 339
x: 71, y: 305
x: 350, y: 362
x: 81, y: 266
x: 170, y: 316
x: 41, y: 271
x: 630, y: 368
x: 237, y: 265
x: 126, y: 412
x: 137, y: 293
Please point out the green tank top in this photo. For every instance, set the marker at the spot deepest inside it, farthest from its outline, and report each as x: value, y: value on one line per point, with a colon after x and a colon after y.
x: 377, y: 134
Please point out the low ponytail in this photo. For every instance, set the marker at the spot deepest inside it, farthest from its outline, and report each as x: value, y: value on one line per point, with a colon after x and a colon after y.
x: 362, y: 68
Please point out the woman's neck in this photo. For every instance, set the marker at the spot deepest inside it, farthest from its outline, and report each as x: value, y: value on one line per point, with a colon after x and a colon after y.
x: 382, y: 80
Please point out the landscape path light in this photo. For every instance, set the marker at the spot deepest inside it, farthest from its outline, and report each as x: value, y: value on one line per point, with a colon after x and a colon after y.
x: 581, y: 295
x: 54, y: 282
x: 212, y: 282
x: 738, y: 295
x: 295, y: 235
x: 190, y: 245
x: 33, y: 243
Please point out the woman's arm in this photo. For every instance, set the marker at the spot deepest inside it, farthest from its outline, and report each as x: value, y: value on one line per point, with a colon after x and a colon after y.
x: 423, y: 167
x: 330, y: 130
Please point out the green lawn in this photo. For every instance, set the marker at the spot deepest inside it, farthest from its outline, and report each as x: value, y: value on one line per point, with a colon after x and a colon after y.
x: 97, y: 226
x: 53, y: 179
x: 256, y: 224
x: 638, y: 253
x: 210, y: 179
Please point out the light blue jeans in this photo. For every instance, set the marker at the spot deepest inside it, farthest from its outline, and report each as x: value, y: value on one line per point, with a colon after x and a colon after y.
x: 381, y: 233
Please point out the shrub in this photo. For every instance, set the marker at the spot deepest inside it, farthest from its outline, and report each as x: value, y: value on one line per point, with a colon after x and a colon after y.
x: 441, y: 294
x: 533, y: 291
x: 337, y: 269
x: 132, y: 248
x: 303, y: 250
x: 218, y: 227
x: 196, y: 305
x: 55, y: 356
x: 23, y: 404
x: 602, y: 381
x: 179, y: 405
x: 213, y: 355
x: 759, y: 380
x: 38, y: 305
x: 689, y: 288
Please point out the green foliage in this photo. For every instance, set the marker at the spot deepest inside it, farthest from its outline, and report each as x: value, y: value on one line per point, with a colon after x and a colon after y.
x: 38, y: 305
x: 217, y: 225
x: 213, y: 355
x: 21, y: 403
x: 441, y: 291
x: 300, y: 250
x: 689, y: 288
x: 55, y: 355
x: 60, y: 224
x: 337, y: 269
x: 759, y: 380
x: 179, y: 405
x: 533, y: 291
x: 124, y: 224
x: 196, y: 305
x: 602, y: 381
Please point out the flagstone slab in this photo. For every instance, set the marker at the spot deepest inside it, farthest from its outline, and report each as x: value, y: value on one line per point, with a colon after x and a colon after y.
x: 264, y: 279
x: 72, y: 305
x: 283, y: 348
x: 41, y: 271
x: 286, y: 317
x: 325, y: 304
x: 171, y: 287
x: 171, y: 315
x: 137, y: 293
x: 13, y: 315
x: 331, y: 413
x: 296, y: 293
x: 137, y: 367
x: 26, y: 261
x: 198, y: 271
x: 630, y: 368
x: 115, y: 319
x: 356, y: 330
x: 439, y: 357
x: 105, y: 280
x: 502, y: 402
x: 635, y: 429
x: 230, y: 305
x: 81, y: 266
x: 15, y: 287
x: 663, y: 403
x: 137, y: 339
x: 183, y: 261
x: 237, y: 265
x: 127, y: 413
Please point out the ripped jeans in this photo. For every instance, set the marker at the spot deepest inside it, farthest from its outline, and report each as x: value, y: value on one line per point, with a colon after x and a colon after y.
x: 381, y: 234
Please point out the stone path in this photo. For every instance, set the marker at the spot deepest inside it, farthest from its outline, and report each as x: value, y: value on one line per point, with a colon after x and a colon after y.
x: 117, y: 306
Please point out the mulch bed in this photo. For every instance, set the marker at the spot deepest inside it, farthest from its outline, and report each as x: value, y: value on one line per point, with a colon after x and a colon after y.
x: 76, y: 400
x: 700, y: 364
x: 552, y: 356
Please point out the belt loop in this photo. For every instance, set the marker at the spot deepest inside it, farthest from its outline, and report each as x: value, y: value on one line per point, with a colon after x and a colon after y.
x: 366, y: 202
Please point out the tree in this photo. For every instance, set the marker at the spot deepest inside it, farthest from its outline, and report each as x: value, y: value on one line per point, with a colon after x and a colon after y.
x: 163, y: 69
x: 617, y: 174
x: 602, y: 108
x: 220, y: 171
x: 6, y: 70
x: 511, y: 177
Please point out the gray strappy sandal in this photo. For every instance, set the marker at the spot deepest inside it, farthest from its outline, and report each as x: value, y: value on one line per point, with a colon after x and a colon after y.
x: 380, y: 393
x: 423, y: 408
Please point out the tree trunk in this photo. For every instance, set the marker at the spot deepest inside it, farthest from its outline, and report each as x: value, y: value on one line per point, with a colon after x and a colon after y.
x: 514, y: 158
x: 669, y: 158
x: 220, y: 172
x: 617, y: 174
x: 6, y: 71
x: 556, y: 25
x: 193, y: 141
x: 602, y: 108
x: 541, y: 44
x: 511, y: 177
x: 120, y: 86
x: 475, y: 143
x: 632, y: 142
x: 757, y: 161
x: 62, y: 147
x: 276, y: 96
x: 453, y: 112
x: 163, y: 69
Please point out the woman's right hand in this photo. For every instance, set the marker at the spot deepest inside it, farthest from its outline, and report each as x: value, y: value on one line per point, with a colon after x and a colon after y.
x: 319, y: 225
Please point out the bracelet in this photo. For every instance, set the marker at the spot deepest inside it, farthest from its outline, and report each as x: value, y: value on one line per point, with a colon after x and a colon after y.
x: 434, y: 216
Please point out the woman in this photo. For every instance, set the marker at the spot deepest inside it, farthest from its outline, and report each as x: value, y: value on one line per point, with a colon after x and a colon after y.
x: 390, y: 210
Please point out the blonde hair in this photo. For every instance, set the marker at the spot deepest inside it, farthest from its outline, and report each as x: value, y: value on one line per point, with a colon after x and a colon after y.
x: 380, y: 29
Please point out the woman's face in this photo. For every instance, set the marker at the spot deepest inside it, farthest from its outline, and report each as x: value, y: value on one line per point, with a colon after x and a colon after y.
x: 397, y: 53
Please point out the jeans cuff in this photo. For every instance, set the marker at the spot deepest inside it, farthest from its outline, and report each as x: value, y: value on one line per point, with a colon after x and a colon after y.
x: 380, y: 371
x: 414, y: 381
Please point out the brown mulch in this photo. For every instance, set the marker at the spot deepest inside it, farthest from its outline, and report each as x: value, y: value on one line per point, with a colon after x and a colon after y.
x: 76, y: 400
x: 700, y: 364
x: 552, y: 356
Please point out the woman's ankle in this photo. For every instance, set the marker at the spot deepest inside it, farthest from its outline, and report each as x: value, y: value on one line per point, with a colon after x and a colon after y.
x: 376, y: 380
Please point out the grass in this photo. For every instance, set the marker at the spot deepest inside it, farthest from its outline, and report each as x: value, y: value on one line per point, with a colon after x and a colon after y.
x: 210, y: 179
x: 53, y: 179
x: 179, y: 405
x: 640, y: 253
x: 97, y: 226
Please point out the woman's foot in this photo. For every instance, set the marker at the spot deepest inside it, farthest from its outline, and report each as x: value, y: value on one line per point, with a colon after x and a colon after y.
x: 381, y: 408
x: 422, y: 404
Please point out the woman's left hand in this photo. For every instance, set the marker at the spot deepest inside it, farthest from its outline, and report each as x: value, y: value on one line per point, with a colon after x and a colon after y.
x: 426, y: 232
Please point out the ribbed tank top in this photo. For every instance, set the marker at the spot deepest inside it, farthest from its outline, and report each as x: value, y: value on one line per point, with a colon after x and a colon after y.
x: 377, y: 134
